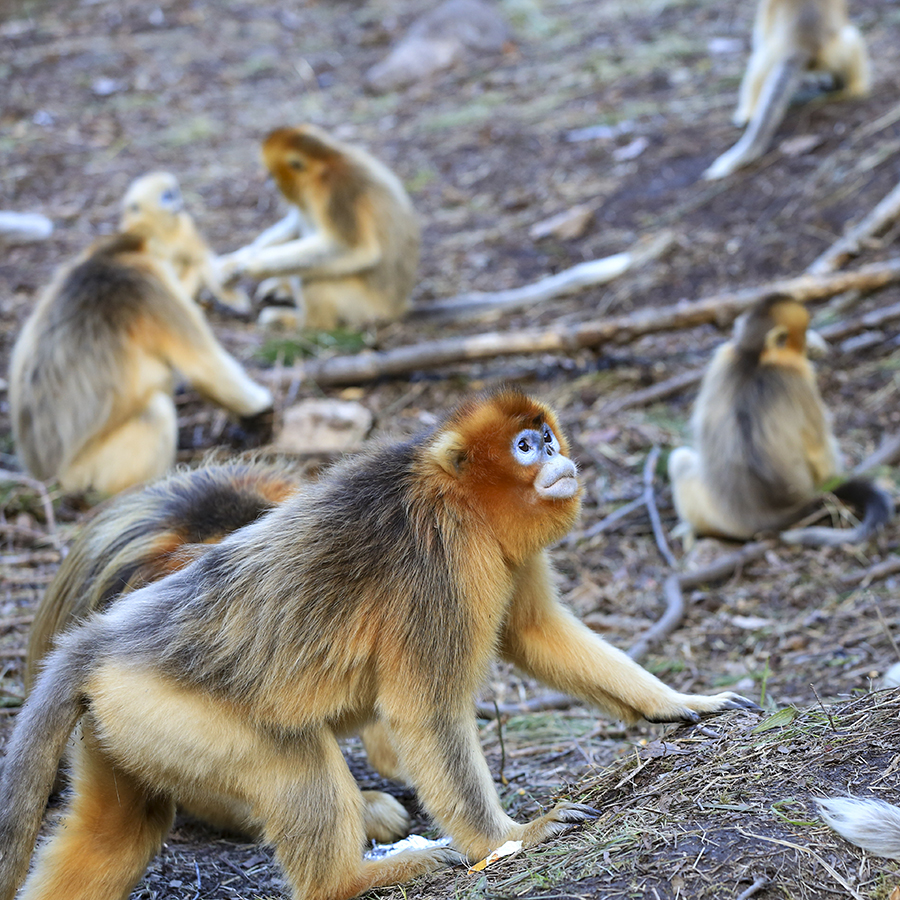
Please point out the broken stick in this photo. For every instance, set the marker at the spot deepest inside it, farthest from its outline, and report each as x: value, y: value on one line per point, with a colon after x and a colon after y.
x: 720, y: 308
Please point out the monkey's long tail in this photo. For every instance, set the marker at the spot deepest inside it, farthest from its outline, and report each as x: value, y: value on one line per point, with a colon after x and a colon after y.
x: 877, y: 510
x: 778, y: 88
x: 871, y: 824
x: 42, y: 728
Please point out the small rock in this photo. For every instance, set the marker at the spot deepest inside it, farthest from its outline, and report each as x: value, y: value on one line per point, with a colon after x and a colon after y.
x: 324, y: 426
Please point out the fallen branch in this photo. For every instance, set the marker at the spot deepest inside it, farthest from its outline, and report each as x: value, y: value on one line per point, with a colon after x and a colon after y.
x: 666, y: 624
x: 865, y: 577
x: 721, y: 309
x: 658, y: 391
x: 886, y: 212
x: 587, y: 274
x: 21, y: 228
x: 625, y: 510
x: 649, y: 498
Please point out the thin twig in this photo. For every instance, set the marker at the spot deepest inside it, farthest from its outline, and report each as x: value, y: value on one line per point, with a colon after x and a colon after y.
x: 608, y: 521
x: 865, y: 577
x: 659, y: 391
x: 761, y: 882
x: 851, y: 242
x: 659, y: 533
x: 669, y: 621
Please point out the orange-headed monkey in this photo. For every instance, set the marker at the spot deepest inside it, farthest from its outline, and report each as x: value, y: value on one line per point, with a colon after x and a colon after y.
x: 764, y: 444
x: 351, y: 237
x: 384, y: 590
x: 93, y: 370
x: 791, y: 37
x: 153, y: 207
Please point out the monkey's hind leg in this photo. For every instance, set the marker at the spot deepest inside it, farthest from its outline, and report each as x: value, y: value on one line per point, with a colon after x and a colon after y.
x: 113, y: 828
x: 693, y: 501
x: 140, y: 449
x: 313, y: 813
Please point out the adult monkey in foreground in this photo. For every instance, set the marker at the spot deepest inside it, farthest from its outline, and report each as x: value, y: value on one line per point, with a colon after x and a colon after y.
x: 764, y: 444
x: 144, y: 535
x: 153, y: 207
x: 93, y: 369
x: 791, y: 37
x: 385, y: 589
x: 351, y: 238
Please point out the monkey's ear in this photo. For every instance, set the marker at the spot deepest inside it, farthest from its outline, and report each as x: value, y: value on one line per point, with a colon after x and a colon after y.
x: 777, y: 337
x: 449, y: 452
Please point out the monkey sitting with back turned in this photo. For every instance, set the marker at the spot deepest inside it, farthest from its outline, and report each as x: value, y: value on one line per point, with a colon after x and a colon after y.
x: 381, y: 592
x: 347, y: 252
x: 92, y: 371
x: 764, y: 444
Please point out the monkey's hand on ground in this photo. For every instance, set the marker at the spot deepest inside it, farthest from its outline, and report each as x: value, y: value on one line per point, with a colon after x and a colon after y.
x: 230, y: 266
x: 690, y: 707
x: 252, y: 431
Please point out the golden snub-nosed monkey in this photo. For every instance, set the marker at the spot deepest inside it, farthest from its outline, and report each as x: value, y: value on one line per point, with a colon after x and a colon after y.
x: 93, y: 370
x: 382, y: 591
x: 790, y: 38
x: 764, y: 447
x: 348, y: 250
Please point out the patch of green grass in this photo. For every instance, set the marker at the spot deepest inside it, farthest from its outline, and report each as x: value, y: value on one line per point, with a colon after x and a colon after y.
x: 288, y: 349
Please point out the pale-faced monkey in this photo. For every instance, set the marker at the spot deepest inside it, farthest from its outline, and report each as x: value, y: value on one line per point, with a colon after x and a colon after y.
x: 93, y: 369
x: 153, y: 207
x: 351, y: 239
x: 790, y: 38
x: 383, y: 590
x: 763, y: 441
x: 143, y: 535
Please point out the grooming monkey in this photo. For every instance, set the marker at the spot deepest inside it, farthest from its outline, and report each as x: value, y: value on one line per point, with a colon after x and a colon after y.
x: 140, y: 537
x: 764, y: 444
x: 154, y: 208
x: 351, y: 238
x: 383, y: 590
x: 868, y: 822
x: 791, y: 37
x: 92, y: 371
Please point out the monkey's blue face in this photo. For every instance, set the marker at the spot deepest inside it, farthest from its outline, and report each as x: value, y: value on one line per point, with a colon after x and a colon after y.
x: 531, y: 446
x: 556, y: 476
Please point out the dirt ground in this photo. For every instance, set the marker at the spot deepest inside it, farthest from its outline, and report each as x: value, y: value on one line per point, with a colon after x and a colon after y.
x: 95, y: 93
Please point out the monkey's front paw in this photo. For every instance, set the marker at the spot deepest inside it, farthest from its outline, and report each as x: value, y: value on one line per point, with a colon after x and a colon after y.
x: 230, y: 266
x: 696, y: 705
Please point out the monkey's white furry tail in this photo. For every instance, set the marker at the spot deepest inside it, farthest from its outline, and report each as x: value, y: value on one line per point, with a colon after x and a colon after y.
x: 871, y: 824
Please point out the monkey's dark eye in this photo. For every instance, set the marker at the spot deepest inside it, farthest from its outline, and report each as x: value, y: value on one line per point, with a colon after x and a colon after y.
x: 297, y: 165
x: 528, y: 447
x: 168, y: 197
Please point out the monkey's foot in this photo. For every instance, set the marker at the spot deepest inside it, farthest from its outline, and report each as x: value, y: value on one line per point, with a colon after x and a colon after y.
x: 560, y: 819
x: 692, y: 706
x: 384, y: 817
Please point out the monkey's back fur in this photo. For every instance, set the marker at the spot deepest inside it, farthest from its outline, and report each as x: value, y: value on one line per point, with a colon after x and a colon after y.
x: 79, y: 350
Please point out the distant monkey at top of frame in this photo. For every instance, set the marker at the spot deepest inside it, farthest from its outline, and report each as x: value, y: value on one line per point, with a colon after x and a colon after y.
x: 791, y: 37
x: 153, y: 207
x: 348, y: 250
x: 383, y: 590
x: 93, y: 369
x: 764, y: 444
